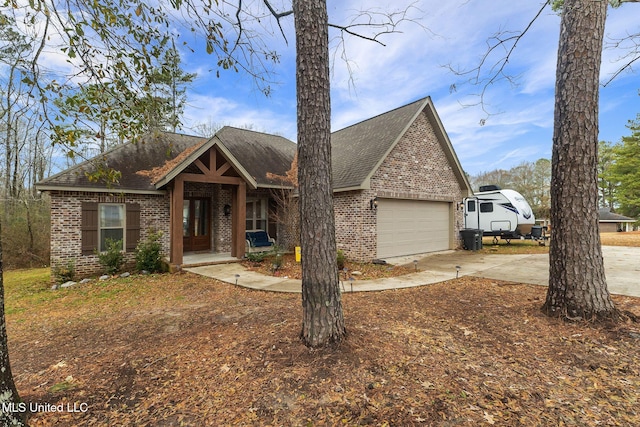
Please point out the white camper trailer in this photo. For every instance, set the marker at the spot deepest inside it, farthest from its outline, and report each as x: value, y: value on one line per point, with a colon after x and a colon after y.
x: 499, y: 213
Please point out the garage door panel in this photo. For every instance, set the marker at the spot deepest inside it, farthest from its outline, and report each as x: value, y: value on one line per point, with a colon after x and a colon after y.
x: 408, y: 227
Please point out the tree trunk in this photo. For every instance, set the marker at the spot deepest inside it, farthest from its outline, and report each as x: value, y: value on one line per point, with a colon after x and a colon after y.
x: 322, y: 321
x: 10, y: 411
x: 577, y: 284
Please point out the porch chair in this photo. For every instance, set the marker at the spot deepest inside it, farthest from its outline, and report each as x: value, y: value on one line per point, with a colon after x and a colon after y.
x: 258, y: 241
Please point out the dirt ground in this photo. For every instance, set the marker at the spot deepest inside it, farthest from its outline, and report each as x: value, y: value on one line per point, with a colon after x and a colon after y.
x: 173, y: 350
x: 363, y: 271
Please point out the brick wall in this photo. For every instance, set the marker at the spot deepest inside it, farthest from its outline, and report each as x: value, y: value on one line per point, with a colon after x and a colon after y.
x: 221, y: 223
x: 66, y: 220
x: 417, y: 168
x: 355, y: 224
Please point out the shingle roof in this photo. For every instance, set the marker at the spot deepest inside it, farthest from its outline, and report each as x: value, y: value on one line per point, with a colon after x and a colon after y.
x: 152, y: 151
x: 145, y: 163
x: 259, y: 153
x: 357, y: 150
x: 607, y: 216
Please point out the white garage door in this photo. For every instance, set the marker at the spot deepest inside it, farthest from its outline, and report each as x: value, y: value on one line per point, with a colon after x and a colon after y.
x: 407, y: 227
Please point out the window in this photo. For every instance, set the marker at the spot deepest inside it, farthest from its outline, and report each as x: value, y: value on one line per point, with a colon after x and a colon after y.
x: 486, y: 207
x: 471, y: 206
x: 117, y: 221
x: 111, y: 224
x: 256, y: 214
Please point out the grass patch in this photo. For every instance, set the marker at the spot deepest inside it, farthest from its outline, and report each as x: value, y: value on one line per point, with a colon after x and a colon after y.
x: 62, y: 386
x: 28, y: 296
x: 515, y: 246
x: 26, y: 289
x: 628, y: 238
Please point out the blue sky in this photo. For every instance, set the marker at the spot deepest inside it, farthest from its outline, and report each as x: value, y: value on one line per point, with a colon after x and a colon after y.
x: 413, y: 65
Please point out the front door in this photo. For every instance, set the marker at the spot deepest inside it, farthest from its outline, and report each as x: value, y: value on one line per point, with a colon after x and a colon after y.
x: 196, y: 224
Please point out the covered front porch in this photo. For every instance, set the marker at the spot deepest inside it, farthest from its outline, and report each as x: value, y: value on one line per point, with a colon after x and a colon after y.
x: 208, y: 196
x: 217, y: 190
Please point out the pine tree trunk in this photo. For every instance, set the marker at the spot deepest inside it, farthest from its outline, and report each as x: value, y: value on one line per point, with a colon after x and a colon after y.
x: 322, y: 321
x: 9, y: 397
x: 577, y: 284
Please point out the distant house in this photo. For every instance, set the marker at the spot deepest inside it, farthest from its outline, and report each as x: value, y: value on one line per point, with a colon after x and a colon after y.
x: 612, y: 222
x: 397, y: 186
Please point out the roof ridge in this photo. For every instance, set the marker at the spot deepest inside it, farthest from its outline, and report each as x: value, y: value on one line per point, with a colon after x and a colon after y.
x: 252, y: 131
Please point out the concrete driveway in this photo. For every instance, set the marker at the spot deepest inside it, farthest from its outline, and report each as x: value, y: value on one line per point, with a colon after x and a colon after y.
x: 622, y: 266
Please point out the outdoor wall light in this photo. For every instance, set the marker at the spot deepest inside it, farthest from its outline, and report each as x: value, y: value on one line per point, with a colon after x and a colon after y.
x: 226, y: 209
x: 373, y: 203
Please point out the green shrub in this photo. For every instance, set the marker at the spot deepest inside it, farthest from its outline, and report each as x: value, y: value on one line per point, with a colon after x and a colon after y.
x: 149, y: 253
x: 65, y: 272
x: 257, y: 257
x: 112, y: 259
x: 341, y: 258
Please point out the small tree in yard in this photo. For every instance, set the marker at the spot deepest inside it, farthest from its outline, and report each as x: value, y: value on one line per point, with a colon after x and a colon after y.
x: 287, y: 216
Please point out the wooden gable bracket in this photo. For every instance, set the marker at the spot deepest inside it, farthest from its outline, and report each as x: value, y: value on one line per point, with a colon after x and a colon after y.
x: 212, y: 173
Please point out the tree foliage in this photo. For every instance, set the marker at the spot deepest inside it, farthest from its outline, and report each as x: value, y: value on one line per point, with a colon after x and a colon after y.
x: 287, y: 214
x: 625, y: 171
x: 165, y: 92
x: 606, y: 181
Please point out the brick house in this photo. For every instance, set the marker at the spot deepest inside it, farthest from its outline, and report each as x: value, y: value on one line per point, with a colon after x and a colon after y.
x: 397, y: 185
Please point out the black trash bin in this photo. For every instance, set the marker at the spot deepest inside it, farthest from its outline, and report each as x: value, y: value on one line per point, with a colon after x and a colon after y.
x: 471, y: 239
x: 536, y: 232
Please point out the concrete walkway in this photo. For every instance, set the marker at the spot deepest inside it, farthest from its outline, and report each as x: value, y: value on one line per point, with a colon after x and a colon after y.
x: 621, y: 263
x: 237, y: 274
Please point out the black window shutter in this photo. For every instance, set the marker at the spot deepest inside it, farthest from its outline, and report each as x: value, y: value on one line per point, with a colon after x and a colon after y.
x: 89, y: 228
x: 133, y: 226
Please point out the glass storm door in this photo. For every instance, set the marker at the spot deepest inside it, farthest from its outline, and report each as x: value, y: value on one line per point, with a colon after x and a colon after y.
x: 196, y: 225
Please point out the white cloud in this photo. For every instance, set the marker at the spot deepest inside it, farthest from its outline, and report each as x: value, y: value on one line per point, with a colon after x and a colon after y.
x: 410, y: 66
x: 204, y: 109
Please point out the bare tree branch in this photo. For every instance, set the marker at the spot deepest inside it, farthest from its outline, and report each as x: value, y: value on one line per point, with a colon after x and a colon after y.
x: 505, y: 40
x: 632, y: 52
x: 278, y: 16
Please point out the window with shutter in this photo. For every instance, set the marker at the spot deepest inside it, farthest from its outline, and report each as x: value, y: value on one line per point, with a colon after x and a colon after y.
x: 109, y: 221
